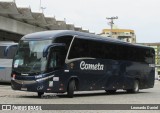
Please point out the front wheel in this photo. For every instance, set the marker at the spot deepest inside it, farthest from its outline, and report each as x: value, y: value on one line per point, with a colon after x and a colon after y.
x: 71, y: 88
x: 40, y: 94
x: 135, y: 87
x: 110, y: 91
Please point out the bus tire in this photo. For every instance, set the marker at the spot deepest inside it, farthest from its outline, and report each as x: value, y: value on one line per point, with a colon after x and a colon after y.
x: 135, y: 87
x: 71, y: 88
x: 40, y: 94
x: 110, y: 91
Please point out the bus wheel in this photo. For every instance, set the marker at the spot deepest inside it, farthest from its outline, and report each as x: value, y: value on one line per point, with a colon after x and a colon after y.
x: 135, y: 88
x: 71, y: 88
x: 40, y: 94
x: 110, y: 91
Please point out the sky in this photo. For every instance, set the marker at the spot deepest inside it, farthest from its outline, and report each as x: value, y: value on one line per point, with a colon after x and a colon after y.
x: 142, y: 16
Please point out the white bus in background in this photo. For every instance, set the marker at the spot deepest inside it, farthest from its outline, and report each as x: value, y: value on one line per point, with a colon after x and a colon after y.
x: 157, y: 72
x: 159, y: 77
x: 6, y: 61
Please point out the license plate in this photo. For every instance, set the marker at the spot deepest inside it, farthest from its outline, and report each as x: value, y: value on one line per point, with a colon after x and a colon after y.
x: 24, y: 89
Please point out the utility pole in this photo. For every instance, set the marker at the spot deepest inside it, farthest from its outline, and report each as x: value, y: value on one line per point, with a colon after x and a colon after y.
x: 111, y: 22
x: 40, y: 7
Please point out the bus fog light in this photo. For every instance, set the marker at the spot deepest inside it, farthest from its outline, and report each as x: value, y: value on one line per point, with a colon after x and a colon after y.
x: 60, y: 89
x: 48, y: 89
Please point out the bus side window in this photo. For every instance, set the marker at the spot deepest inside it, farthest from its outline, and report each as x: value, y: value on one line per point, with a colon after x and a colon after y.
x: 52, y: 63
x: 2, y: 48
x: 57, y: 58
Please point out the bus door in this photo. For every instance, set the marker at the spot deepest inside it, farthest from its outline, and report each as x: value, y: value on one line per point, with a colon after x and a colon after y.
x: 56, y: 66
x: 56, y: 58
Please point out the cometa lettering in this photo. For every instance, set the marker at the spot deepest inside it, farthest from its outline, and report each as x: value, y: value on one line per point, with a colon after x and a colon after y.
x: 85, y: 66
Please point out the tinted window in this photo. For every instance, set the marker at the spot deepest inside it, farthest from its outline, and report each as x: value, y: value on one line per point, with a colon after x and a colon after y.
x: 79, y: 49
x: 87, y: 48
x: 10, y: 54
x: 64, y: 39
x: 56, y: 58
x: 106, y: 50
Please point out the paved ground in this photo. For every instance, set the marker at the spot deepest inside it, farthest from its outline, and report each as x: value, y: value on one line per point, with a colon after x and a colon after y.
x: 147, y: 96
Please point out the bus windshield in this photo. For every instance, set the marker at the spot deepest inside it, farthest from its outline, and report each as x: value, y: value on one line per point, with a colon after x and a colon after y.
x: 29, y: 57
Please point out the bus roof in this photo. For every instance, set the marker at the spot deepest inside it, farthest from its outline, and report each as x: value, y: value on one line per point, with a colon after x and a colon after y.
x: 7, y: 43
x: 57, y: 33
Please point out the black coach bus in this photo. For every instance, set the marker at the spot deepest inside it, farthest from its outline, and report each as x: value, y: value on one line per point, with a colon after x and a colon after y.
x: 67, y: 61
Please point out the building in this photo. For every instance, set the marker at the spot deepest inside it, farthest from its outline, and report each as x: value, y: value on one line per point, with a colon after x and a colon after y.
x: 18, y: 21
x: 126, y: 35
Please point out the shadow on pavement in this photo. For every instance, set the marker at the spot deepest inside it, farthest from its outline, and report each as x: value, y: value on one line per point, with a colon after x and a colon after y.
x: 56, y: 96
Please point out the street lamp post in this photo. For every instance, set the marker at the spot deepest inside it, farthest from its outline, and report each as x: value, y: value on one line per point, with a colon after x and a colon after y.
x: 111, y: 22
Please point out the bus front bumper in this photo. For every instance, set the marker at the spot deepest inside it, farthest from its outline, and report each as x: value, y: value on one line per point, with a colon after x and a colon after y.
x: 35, y: 86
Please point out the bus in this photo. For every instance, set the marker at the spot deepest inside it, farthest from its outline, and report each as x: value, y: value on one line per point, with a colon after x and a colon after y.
x: 64, y: 61
x: 6, y: 61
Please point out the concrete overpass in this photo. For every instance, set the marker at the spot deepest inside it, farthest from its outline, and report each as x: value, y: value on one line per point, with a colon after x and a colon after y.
x: 17, y: 21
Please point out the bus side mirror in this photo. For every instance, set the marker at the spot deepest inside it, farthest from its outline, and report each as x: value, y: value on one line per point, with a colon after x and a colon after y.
x: 8, y: 48
x: 46, y: 48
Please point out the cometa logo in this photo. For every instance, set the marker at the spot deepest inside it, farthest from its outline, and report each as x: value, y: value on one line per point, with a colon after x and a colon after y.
x: 85, y: 66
